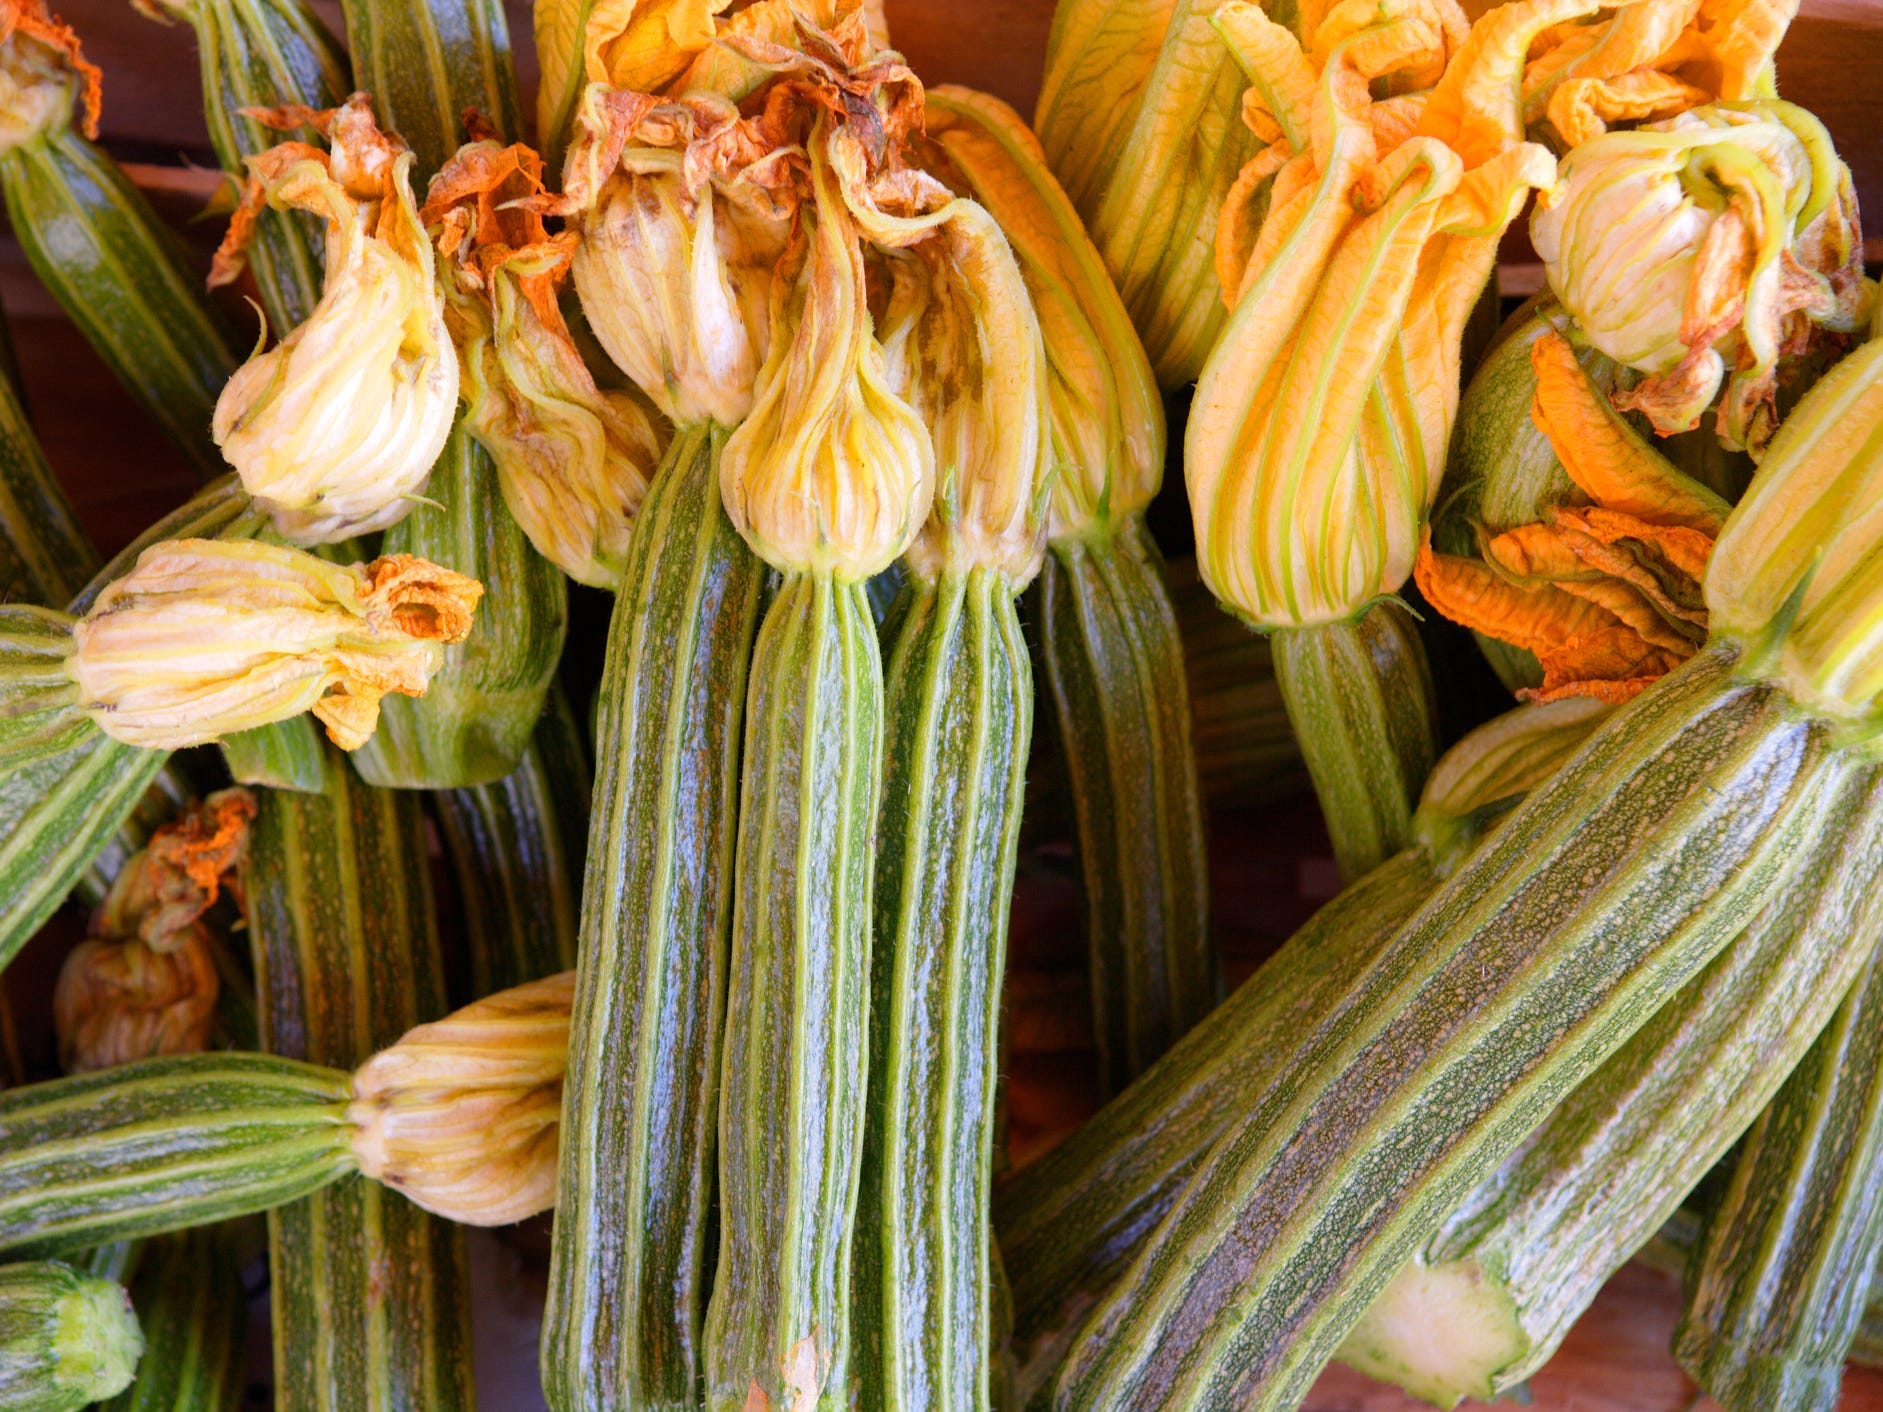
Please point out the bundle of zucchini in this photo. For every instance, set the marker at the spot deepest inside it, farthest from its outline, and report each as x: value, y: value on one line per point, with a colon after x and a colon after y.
x: 815, y: 370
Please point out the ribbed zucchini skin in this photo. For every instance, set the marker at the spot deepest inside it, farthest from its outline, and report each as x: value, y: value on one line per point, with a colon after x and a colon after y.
x: 1360, y: 697
x: 628, y: 1277
x: 66, y: 1338
x: 371, y: 1300
x: 1614, y: 1160
x: 797, y: 1011
x: 1777, y: 1289
x: 189, y: 1299
x: 959, y: 717
x: 1600, y: 896
x: 1108, y: 639
x: 281, y: 755
x: 426, y: 63
x: 516, y: 848
x: 44, y: 554
x: 472, y: 725
x: 106, y: 257
x: 1070, y: 1223
x: 163, y: 1144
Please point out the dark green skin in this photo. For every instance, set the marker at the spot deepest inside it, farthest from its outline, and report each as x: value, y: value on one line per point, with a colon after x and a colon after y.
x: 628, y: 1277
x: 959, y: 702
x: 794, y: 1073
x: 194, y: 1311
x: 1071, y: 1223
x: 44, y: 553
x: 371, y: 1294
x: 164, y: 1144
x: 1360, y: 698
x: 120, y: 276
x: 516, y: 848
x: 1114, y: 663
x: 1605, y: 892
x: 1776, y: 1291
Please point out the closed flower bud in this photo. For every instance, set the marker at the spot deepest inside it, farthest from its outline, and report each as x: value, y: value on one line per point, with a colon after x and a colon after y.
x: 334, y: 430
x: 573, y: 459
x: 680, y: 235
x: 203, y: 638
x: 119, y: 1000
x: 832, y: 472
x: 1702, y: 250
x: 41, y: 74
x: 462, y: 1115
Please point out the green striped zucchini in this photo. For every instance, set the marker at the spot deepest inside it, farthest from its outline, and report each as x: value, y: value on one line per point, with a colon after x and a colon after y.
x: 44, y: 553
x: 794, y: 1072
x: 629, y: 1272
x: 516, y: 849
x: 1603, y: 894
x: 1777, y: 1289
x: 281, y: 755
x: 472, y: 725
x: 189, y: 1299
x: 959, y: 704
x: 1360, y: 697
x: 1492, y: 1295
x: 1108, y: 638
x: 371, y: 1302
x: 67, y: 1338
x: 1071, y: 1223
x: 106, y: 257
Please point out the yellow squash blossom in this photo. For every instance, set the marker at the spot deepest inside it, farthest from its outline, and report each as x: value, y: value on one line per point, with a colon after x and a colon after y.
x: 1320, y: 423
x: 203, y: 639
x: 1606, y: 594
x: 334, y: 429
x: 573, y: 459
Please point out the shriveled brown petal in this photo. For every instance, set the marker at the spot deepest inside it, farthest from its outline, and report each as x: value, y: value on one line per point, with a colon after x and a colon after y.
x: 32, y: 19
x: 1612, y: 665
x: 120, y: 1000
x: 419, y: 599
x: 182, y: 871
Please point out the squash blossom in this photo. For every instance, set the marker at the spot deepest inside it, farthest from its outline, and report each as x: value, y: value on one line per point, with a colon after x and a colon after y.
x: 335, y: 429
x: 1703, y: 250
x: 1606, y: 593
x: 462, y: 1115
x: 1352, y: 254
x: 145, y: 981
x: 204, y: 638
x: 573, y: 459
x: 42, y: 73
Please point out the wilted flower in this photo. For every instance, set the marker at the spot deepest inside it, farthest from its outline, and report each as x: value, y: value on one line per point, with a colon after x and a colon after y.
x: 1606, y: 594
x: 573, y: 459
x: 462, y: 1115
x: 41, y: 74
x: 204, y: 638
x: 334, y: 430
x: 1703, y: 249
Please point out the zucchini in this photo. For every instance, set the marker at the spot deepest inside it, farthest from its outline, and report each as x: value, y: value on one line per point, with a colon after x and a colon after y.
x: 959, y: 706
x: 516, y: 849
x: 1070, y: 1223
x: 371, y: 1301
x: 164, y: 1144
x: 1492, y: 1295
x: 67, y: 1338
x: 1776, y: 1291
x: 45, y: 555
x: 189, y: 1299
x: 1603, y: 894
x: 1360, y: 698
x: 628, y: 1274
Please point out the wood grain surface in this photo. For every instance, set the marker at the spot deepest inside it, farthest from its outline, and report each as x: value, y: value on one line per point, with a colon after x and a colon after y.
x: 1271, y: 866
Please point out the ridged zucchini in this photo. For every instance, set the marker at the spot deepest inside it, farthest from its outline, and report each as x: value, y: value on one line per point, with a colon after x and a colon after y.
x: 959, y: 704
x: 67, y: 1338
x: 45, y: 555
x: 1108, y: 638
x: 516, y: 848
x: 1776, y: 1292
x: 1070, y: 1223
x: 795, y: 1067
x: 371, y: 1300
x: 1492, y: 1295
x: 628, y: 1277
x: 1603, y: 894
x: 1364, y: 712
x: 189, y: 1299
